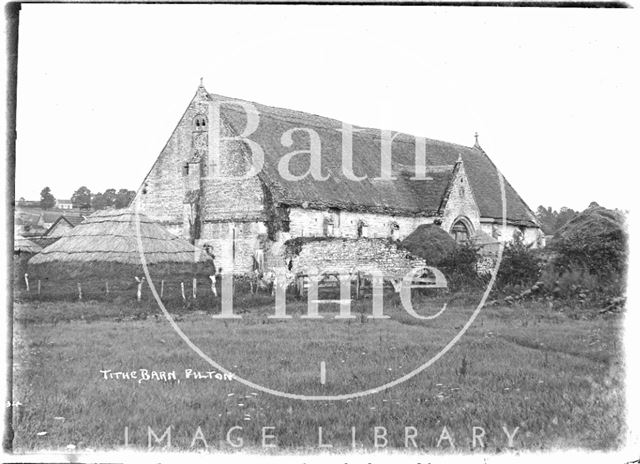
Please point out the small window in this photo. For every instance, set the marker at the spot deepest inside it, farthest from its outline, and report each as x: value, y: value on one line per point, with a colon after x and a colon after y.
x: 361, y: 229
x: 394, y: 231
x: 327, y: 227
x: 185, y: 169
x: 199, y: 121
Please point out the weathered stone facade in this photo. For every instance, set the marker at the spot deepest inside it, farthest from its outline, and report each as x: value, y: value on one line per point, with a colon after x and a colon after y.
x: 460, y: 203
x: 529, y: 235
x: 348, y: 256
x: 201, y: 195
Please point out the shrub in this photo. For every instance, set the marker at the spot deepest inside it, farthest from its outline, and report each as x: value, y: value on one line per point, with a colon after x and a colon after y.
x: 460, y: 268
x: 602, y: 255
x: 519, y: 268
x: 590, y: 262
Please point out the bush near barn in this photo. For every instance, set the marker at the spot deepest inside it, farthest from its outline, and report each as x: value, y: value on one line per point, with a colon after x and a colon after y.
x: 583, y: 266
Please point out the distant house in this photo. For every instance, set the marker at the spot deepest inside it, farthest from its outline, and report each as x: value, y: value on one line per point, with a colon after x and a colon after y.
x: 44, y: 227
x: 58, y: 228
x: 29, y: 224
x: 64, y: 204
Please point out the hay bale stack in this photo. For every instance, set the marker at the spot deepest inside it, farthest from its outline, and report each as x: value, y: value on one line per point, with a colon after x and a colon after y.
x: 594, y: 221
x: 594, y: 241
x: 104, y: 248
x: 22, y: 245
x: 430, y: 242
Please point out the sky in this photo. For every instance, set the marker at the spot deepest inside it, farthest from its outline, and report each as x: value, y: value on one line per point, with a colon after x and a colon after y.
x: 551, y: 92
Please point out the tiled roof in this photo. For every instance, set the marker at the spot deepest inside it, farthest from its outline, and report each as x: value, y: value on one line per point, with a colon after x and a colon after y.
x: 71, y: 220
x: 74, y: 220
x: 401, y: 196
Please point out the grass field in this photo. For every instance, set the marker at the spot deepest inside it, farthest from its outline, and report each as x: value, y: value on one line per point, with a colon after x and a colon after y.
x: 554, y: 375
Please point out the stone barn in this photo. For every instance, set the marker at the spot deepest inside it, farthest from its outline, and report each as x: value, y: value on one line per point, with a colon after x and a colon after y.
x: 319, y: 178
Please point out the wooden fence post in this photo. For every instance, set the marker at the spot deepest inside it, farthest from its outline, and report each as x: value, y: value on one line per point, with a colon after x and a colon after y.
x: 39, y: 287
x: 140, y: 282
x: 26, y: 281
x: 184, y: 298
x: 161, y: 288
x: 79, y: 291
x: 195, y: 288
x: 106, y: 286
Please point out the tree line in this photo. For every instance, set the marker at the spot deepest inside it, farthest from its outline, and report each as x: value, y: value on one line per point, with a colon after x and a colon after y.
x: 83, y: 198
x: 552, y: 221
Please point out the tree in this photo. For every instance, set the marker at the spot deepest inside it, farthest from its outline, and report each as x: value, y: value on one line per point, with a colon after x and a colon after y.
x: 109, y: 196
x: 81, y: 198
x: 551, y: 221
x: 547, y: 218
x: 124, y: 198
x: 97, y: 202
x: 564, y: 216
x: 47, y: 200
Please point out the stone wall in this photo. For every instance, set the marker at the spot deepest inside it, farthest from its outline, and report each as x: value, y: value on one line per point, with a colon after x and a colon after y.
x: 228, y: 195
x: 162, y: 192
x: 531, y: 235
x: 352, y: 255
x: 461, y: 202
x: 311, y: 223
x: 234, y: 243
x: 231, y: 213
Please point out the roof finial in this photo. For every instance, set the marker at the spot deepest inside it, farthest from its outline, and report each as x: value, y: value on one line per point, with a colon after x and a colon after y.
x: 201, y: 84
x: 477, y: 144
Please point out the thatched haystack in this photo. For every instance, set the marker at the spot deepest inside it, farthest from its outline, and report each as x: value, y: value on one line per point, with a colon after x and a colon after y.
x: 594, y: 241
x: 23, y: 245
x: 104, y: 248
x: 23, y: 250
x: 594, y: 221
x: 430, y: 242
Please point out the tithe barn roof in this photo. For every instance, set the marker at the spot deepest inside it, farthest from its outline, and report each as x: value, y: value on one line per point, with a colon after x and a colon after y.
x: 399, y: 196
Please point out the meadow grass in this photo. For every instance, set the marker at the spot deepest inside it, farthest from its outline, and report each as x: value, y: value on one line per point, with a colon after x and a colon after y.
x: 558, y: 378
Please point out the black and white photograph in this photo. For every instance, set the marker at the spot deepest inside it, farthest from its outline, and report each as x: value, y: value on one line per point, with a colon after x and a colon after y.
x: 320, y: 232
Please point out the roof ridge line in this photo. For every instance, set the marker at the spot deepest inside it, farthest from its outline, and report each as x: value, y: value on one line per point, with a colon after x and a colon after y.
x: 355, y: 133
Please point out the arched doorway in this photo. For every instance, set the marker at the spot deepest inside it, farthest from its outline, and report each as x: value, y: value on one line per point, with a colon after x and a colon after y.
x: 461, y: 230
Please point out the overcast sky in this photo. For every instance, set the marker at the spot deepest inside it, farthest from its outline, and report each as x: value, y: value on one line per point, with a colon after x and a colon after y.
x: 552, y: 92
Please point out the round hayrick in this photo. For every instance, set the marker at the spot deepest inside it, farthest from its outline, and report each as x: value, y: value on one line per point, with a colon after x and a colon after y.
x: 594, y: 221
x: 105, y: 250
x: 23, y: 250
x: 23, y: 245
x: 594, y: 241
x: 430, y: 242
